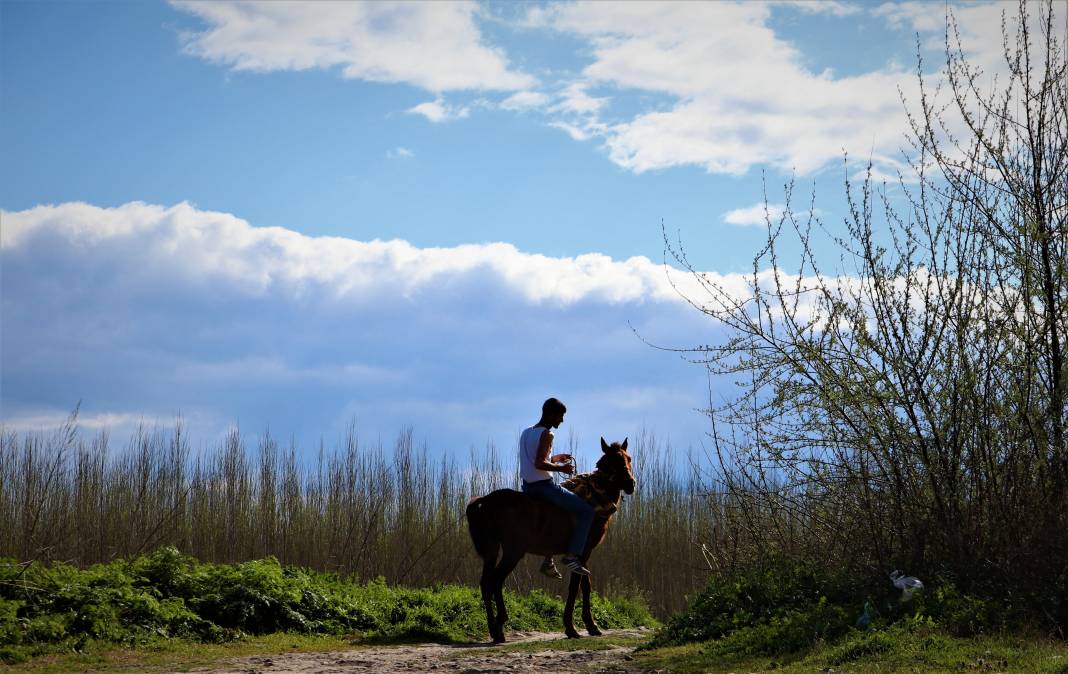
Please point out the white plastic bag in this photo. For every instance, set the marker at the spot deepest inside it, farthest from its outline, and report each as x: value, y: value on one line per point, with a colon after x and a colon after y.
x: 907, y: 584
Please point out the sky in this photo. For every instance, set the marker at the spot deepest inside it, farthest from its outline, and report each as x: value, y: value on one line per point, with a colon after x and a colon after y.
x: 293, y: 217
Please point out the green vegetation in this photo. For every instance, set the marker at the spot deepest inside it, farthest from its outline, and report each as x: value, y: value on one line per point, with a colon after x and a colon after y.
x: 136, y: 602
x: 906, y: 409
x: 909, y: 647
x: 779, y: 609
x: 354, y: 510
x: 799, y: 618
x: 785, y: 607
x: 171, y: 655
x: 900, y: 393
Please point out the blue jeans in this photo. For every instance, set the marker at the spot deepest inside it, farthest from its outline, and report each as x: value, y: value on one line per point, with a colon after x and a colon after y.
x: 547, y: 490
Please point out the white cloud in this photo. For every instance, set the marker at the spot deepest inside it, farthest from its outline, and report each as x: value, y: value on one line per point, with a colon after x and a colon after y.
x: 182, y: 246
x: 575, y: 99
x: 150, y: 310
x: 832, y: 7
x: 727, y: 92
x: 399, y: 153
x: 917, y: 16
x: 756, y: 215
x: 575, y: 132
x: 439, y: 111
x: 523, y: 100
x: 742, y: 95
x: 979, y: 25
x: 42, y: 420
x: 220, y: 248
x: 433, y: 45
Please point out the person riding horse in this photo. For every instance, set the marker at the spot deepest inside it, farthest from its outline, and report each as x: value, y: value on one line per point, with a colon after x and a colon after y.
x: 505, y: 524
x: 535, y: 463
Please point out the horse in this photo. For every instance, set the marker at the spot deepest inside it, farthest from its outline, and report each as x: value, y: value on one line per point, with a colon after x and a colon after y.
x: 510, y: 524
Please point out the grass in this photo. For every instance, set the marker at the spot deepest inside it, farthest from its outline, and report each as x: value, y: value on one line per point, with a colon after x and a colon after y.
x: 799, y: 617
x: 891, y: 651
x: 895, y: 650
x: 168, y: 655
x: 148, y: 600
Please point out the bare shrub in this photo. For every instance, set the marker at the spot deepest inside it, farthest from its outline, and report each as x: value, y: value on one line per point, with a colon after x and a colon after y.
x: 357, y: 510
x: 908, y: 409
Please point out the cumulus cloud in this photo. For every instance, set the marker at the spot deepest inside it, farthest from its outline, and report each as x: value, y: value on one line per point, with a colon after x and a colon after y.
x: 220, y: 248
x: 832, y: 7
x: 399, y: 153
x: 433, y: 45
x: 756, y: 215
x: 979, y: 25
x: 918, y: 16
x: 523, y: 100
x: 145, y: 311
x: 438, y: 111
x: 741, y: 93
x: 719, y: 88
x: 575, y: 132
x: 575, y: 99
x: 730, y: 93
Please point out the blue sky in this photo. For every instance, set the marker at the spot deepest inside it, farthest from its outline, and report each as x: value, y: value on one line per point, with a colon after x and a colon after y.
x: 424, y: 214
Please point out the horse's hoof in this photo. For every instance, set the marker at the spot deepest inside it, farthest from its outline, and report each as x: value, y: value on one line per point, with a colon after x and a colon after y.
x: 573, y: 635
x: 594, y: 632
x: 498, y: 640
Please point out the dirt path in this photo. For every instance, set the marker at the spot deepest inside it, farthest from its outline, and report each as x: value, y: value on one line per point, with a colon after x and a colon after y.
x: 439, y: 659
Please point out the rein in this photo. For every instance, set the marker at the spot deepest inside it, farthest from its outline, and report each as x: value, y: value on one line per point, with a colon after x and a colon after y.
x: 596, y: 489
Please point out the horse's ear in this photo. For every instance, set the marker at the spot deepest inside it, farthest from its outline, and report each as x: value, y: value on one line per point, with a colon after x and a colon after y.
x: 604, y: 445
x: 624, y: 445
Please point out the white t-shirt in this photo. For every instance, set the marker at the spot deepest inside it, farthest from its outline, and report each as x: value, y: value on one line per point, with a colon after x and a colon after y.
x: 528, y: 451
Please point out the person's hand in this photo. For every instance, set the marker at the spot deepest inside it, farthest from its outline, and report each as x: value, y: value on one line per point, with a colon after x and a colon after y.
x: 562, y: 457
x: 568, y: 468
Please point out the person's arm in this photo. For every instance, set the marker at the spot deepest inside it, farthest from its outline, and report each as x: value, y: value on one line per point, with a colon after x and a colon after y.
x: 541, y: 457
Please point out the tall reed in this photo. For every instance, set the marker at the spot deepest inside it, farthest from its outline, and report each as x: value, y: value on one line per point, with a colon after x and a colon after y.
x: 355, y: 509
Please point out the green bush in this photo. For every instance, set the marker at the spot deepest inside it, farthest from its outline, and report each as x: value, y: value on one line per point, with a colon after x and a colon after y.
x: 774, y: 609
x: 789, y: 607
x: 48, y: 608
x: 965, y: 615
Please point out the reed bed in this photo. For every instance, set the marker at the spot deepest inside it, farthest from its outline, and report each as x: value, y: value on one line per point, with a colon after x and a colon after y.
x: 362, y: 511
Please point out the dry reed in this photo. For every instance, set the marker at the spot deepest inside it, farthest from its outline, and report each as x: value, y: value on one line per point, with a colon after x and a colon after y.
x: 354, y: 509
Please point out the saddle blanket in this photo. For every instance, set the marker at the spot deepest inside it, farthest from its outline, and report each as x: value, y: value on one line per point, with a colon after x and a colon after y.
x: 595, y: 490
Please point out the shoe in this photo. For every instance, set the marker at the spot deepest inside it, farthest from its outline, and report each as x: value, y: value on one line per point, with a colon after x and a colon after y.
x: 549, y: 569
x: 574, y: 565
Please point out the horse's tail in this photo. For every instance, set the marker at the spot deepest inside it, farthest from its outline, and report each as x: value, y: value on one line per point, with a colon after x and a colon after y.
x: 481, y: 532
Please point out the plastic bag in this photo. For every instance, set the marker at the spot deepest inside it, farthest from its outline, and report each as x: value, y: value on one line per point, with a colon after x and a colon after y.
x: 907, y: 584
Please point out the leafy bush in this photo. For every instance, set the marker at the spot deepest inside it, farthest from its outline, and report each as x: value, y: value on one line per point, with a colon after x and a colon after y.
x: 966, y: 615
x: 46, y: 608
x: 775, y: 609
x: 787, y: 607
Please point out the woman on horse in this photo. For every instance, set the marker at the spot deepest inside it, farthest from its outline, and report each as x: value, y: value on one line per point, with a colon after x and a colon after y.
x: 536, y: 465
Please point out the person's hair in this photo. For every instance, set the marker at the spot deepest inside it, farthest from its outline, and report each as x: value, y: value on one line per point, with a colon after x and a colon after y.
x: 552, y: 405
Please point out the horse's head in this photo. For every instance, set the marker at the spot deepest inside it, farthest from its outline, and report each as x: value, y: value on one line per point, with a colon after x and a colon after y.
x: 616, y: 465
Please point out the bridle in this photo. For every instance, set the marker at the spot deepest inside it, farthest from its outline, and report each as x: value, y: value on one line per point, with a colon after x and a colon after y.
x: 613, y: 479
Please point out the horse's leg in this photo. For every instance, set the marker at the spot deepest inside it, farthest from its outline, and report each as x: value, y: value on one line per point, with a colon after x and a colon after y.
x: 587, y: 609
x: 569, y: 608
x: 486, y: 584
x: 507, y: 565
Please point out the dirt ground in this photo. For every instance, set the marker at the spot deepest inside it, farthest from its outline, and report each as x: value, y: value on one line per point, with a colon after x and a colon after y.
x: 482, y: 658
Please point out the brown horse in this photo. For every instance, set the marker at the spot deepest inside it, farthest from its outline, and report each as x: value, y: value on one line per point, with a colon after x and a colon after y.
x: 512, y: 522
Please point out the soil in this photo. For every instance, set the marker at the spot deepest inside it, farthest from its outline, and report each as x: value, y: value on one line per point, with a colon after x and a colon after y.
x: 478, y: 658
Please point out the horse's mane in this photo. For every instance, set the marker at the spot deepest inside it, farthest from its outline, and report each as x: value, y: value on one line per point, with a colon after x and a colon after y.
x: 615, y: 453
